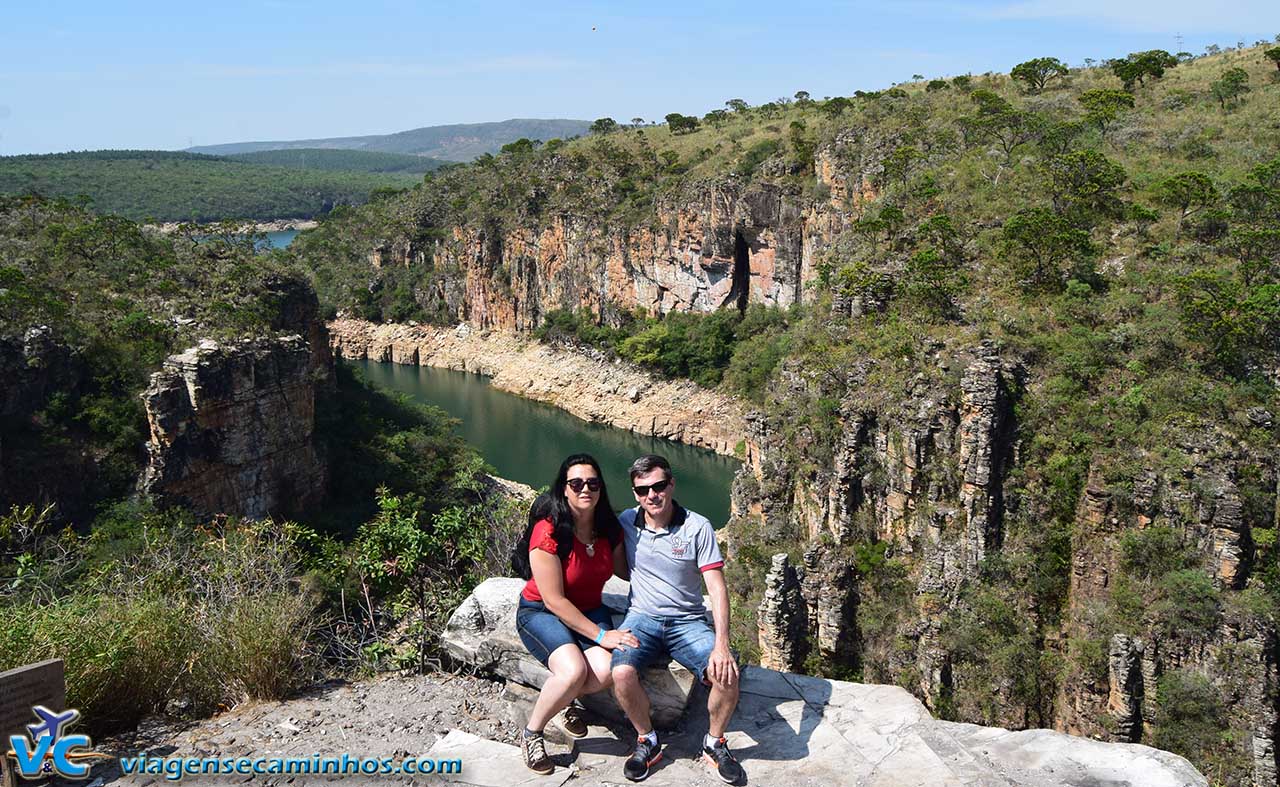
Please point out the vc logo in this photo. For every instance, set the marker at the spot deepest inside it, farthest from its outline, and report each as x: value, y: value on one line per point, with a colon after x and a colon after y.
x: 50, y: 750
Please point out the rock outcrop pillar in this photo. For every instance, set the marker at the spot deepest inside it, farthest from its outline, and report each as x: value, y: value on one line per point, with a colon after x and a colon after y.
x: 782, y: 618
x: 1124, y: 702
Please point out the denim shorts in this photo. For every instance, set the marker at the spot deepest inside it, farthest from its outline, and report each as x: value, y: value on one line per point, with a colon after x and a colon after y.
x: 687, y: 640
x: 542, y: 632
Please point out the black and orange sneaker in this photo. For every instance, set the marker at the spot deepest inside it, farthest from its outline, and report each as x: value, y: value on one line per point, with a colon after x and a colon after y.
x: 720, y: 758
x: 642, y: 759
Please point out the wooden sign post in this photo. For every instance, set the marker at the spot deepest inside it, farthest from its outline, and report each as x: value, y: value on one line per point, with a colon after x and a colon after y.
x: 22, y: 689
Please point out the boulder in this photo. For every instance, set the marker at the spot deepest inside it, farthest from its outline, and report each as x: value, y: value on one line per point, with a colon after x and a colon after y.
x: 482, y: 633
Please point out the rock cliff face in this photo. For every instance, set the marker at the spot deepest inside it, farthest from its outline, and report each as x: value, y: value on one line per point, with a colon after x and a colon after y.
x: 586, y: 385
x: 232, y: 425
x: 927, y: 478
x: 32, y: 369
x: 718, y: 243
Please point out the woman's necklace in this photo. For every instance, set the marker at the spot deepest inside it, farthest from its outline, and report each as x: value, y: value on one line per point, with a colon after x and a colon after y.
x: 590, y: 545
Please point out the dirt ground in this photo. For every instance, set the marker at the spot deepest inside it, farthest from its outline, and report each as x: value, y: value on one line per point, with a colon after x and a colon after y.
x: 391, y: 716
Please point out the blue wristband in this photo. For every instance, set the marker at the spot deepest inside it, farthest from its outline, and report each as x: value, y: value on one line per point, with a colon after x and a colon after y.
x: 600, y: 635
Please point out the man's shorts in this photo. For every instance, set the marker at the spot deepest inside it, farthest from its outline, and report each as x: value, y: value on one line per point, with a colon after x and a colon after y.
x: 542, y: 632
x: 687, y: 640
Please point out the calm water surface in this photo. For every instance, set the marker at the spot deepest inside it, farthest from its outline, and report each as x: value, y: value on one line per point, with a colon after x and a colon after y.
x: 281, y: 239
x: 526, y: 441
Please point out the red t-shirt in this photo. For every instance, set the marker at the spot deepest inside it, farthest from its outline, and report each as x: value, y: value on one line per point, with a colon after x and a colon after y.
x: 584, y: 575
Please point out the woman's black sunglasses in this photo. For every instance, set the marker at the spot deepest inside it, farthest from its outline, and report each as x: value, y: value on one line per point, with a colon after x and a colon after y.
x: 576, y: 484
x: 643, y: 491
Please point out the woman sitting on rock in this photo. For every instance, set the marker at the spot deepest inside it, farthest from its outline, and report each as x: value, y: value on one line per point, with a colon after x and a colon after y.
x: 571, y: 548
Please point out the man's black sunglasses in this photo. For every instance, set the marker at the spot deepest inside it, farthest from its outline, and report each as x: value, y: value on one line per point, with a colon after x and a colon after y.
x: 643, y: 491
x: 576, y: 484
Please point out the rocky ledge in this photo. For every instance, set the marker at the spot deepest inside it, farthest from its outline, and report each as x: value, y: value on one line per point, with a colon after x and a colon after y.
x: 798, y: 730
x: 232, y: 426
x: 585, y: 385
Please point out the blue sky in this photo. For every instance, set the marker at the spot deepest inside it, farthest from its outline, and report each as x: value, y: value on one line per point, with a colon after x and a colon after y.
x: 81, y: 75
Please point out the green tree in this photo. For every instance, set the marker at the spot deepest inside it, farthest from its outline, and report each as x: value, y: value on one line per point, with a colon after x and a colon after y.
x: 1001, y: 121
x: 1044, y: 249
x: 1188, y: 192
x: 802, y: 143
x: 1273, y: 54
x: 737, y: 105
x: 1083, y: 185
x: 420, y: 566
x: 681, y: 124
x: 1237, y: 323
x: 803, y: 99
x: 1140, y: 65
x: 1037, y: 72
x: 898, y: 164
x: 604, y: 126
x: 935, y: 85
x: 1103, y: 105
x: 716, y: 117
x: 834, y: 107
x: 1233, y: 84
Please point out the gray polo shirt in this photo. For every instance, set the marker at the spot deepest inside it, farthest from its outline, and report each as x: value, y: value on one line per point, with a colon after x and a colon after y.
x: 667, y: 565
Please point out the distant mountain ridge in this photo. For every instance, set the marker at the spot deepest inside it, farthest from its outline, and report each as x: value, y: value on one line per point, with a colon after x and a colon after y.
x: 457, y: 142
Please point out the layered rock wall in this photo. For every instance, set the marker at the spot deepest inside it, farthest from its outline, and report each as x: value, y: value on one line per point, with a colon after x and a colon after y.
x: 231, y: 429
x: 926, y: 478
x: 33, y: 368
x: 232, y: 425
x: 717, y: 243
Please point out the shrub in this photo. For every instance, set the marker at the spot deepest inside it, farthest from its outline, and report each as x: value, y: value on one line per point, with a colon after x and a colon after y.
x: 1154, y: 552
x: 755, y: 156
x: 1189, y: 715
x: 190, y: 618
x: 1187, y: 605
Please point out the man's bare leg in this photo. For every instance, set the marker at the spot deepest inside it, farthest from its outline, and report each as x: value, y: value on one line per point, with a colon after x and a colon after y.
x: 632, y: 697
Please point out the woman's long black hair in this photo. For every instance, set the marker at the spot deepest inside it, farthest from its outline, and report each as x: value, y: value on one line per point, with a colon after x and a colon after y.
x: 555, y: 507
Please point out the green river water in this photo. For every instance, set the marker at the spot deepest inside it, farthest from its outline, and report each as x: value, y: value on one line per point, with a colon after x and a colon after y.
x: 526, y: 441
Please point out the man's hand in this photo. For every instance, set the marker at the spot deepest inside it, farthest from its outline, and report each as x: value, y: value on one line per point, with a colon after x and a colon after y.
x: 721, y: 667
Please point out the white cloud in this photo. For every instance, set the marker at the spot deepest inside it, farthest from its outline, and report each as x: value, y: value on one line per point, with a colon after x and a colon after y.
x: 1251, y: 17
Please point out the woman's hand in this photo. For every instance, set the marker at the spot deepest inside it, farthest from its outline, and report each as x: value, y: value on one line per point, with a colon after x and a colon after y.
x: 615, y: 639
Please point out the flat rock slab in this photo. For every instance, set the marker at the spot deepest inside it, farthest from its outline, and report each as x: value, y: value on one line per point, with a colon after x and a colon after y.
x: 800, y: 731
x: 789, y: 730
x: 482, y: 633
x: 488, y: 763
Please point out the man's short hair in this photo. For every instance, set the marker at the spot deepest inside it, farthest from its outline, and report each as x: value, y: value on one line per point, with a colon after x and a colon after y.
x: 649, y: 463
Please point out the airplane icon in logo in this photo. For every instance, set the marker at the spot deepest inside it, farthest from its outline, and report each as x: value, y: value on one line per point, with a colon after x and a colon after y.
x: 51, y: 723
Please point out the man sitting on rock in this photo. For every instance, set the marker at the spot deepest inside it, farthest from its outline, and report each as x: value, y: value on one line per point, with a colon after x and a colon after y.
x: 668, y: 549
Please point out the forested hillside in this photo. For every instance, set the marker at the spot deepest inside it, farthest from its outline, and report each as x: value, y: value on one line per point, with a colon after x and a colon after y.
x: 1014, y: 340
x: 147, y: 185
x: 342, y: 160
